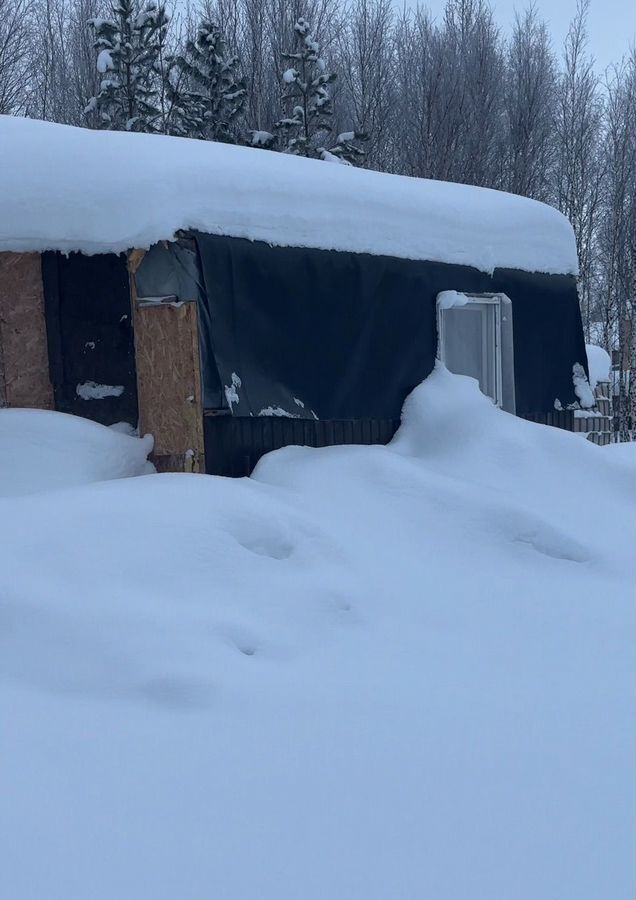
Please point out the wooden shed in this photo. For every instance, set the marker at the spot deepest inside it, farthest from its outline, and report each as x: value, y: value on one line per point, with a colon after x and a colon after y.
x: 230, y: 301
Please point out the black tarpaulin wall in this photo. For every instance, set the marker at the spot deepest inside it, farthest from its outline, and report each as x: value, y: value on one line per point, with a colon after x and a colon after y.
x: 316, y: 333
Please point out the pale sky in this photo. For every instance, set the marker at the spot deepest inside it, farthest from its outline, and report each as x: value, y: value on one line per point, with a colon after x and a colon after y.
x: 611, y: 23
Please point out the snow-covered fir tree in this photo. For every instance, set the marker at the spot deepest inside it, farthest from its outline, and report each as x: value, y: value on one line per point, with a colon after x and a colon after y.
x: 266, y: 140
x: 205, y: 89
x: 346, y: 149
x: 130, y: 46
x: 304, y: 131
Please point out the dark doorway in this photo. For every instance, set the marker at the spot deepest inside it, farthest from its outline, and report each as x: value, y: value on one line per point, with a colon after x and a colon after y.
x: 91, y: 349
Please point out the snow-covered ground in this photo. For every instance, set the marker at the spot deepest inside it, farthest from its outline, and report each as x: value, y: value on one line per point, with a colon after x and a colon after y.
x: 364, y: 673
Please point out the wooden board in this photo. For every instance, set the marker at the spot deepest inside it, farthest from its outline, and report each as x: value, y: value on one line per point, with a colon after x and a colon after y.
x: 169, y: 383
x: 24, y: 359
x: 3, y: 385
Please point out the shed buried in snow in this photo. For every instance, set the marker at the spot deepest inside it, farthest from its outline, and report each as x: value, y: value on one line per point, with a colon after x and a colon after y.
x: 235, y: 300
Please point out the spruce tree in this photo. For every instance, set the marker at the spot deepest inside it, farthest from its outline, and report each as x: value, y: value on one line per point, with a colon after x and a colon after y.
x: 346, y: 149
x: 129, y: 46
x: 306, y: 95
x: 205, y: 89
x: 305, y: 129
x: 263, y: 139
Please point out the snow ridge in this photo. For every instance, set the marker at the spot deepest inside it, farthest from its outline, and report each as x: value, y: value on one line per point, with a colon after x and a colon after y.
x: 61, y: 189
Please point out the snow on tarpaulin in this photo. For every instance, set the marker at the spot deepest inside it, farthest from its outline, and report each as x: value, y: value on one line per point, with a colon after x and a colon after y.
x: 65, y: 188
x: 365, y: 673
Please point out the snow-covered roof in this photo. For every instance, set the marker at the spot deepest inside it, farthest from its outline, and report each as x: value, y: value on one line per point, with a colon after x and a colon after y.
x: 64, y: 188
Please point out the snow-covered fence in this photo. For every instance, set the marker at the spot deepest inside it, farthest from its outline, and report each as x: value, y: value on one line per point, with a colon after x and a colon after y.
x: 563, y: 418
x: 597, y: 423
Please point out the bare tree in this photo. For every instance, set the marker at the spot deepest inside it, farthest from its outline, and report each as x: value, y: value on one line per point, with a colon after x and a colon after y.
x: 429, y: 98
x: 61, y: 60
x: 84, y: 76
x: 449, y: 94
x: 529, y: 145
x: 15, y: 44
x: 364, y: 58
x: 473, y: 39
x: 617, y: 236
x: 50, y: 62
x: 578, y: 173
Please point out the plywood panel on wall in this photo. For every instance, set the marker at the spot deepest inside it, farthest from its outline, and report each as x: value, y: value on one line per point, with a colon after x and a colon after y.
x: 3, y: 386
x: 169, y: 383
x: 24, y: 361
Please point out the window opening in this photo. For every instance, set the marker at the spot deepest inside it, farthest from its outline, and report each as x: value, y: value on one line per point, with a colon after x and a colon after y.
x: 475, y: 338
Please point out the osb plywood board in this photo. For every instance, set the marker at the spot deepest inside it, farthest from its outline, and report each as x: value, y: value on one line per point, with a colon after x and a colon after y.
x: 24, y: 360
x: 169, y: 383
x: 3, y: 386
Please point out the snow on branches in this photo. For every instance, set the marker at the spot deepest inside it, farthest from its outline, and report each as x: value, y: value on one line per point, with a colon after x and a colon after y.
x: 205, y: 88
x: 130, y: 46
x: 304, y: 129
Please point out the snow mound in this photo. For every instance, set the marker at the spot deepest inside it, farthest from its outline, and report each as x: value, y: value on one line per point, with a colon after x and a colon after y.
x: 599, y: 364
x: 59, y: 190
x: 365, y: 672
x: 42, y: 450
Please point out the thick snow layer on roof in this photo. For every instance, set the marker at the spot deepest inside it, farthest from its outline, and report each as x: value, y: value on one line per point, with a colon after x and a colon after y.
x: 365, y: 673
x: 69, y: 189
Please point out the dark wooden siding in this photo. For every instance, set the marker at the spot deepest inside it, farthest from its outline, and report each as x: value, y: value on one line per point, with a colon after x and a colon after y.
x: 558, y: 419
x: 233, y: 445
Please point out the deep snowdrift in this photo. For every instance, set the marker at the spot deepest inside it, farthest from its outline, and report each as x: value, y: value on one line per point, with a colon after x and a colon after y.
x: 66, y: 188
x: 364, y: 673
x: 42, y: 450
